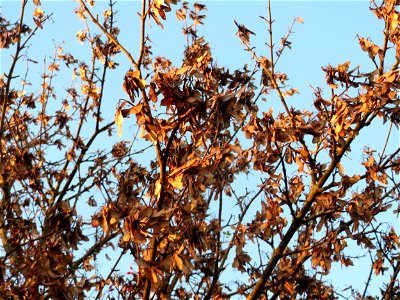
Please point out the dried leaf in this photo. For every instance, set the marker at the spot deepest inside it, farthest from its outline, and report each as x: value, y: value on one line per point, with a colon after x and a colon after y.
x: 341, y: 169
x: 178, y: 261
x: 119, y: 119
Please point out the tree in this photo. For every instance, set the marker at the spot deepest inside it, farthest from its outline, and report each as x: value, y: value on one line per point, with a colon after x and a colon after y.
x: 67, y: 197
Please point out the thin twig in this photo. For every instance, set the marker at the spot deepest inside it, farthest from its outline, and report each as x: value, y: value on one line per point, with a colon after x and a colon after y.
x: 113, y: 39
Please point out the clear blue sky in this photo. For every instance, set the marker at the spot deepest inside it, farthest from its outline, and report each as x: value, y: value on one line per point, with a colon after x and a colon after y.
x: 328, y: 36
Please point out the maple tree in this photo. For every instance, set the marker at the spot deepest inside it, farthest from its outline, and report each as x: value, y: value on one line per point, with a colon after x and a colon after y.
x: 67, y: 198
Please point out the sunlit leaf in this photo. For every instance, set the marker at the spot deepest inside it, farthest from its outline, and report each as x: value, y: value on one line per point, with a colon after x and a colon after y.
x: 119, y: 119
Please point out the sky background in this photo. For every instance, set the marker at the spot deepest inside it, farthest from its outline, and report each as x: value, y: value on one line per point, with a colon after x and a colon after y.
x: 328, y: 36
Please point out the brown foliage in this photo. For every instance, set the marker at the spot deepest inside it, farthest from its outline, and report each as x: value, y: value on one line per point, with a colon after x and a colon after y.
x: 67, y: 198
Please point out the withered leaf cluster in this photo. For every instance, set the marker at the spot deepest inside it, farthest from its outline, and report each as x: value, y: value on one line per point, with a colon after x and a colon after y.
x: 200, y: 178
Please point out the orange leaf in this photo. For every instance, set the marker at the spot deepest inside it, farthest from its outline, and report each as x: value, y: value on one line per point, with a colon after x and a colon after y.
x: 38, y: 13
x: 178, y: 261
x: 153, y: 275
x: 370, y: 161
